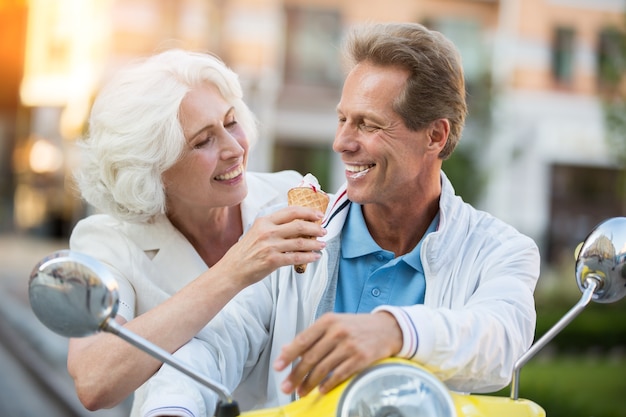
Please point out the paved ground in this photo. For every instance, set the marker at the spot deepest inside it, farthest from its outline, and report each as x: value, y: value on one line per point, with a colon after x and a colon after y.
x: 33, y: 377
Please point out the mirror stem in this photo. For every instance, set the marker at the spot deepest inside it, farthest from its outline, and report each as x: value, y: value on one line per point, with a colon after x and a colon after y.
x: 593, y: 282
x: 114, y: 327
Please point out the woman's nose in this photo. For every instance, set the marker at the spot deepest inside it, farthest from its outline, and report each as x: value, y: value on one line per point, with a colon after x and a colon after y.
x: 233, y: 146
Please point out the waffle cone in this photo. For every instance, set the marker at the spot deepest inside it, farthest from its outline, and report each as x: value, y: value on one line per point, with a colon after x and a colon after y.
x: 307, y: 197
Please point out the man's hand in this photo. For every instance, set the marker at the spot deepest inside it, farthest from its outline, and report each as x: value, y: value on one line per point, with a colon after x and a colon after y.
x: 337, y: 346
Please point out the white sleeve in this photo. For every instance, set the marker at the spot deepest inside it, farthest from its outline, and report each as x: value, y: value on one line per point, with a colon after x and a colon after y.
x: 160, y: 406
x: 473, y: 347
x: 172, y: 393
x: 126, y: 306
x: 95, y: 237
x: 221, y: 351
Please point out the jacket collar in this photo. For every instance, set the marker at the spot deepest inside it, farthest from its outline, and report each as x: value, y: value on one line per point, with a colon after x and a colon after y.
x: 338, y: 208
x: 336, y: 213
x: 171, y: 251
x: 441, y: 247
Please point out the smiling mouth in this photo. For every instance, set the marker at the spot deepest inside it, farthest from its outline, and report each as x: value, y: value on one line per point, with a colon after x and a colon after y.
x: 357, y: 171
x: 229, y: 175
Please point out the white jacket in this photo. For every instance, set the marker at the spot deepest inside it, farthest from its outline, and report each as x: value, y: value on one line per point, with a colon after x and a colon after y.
x: 477, y: 319
x: 152, y: 261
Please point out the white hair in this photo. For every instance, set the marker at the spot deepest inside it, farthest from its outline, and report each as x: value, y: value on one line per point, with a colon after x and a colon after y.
x: 135, y: 133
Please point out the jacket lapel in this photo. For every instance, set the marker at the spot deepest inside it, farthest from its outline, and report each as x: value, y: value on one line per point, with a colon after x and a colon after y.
x: 173, y: 257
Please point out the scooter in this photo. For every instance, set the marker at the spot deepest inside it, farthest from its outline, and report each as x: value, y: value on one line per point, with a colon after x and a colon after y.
x: 75, y: 296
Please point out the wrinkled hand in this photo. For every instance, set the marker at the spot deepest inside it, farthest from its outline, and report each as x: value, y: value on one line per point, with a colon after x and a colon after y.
x: 335, y: 347
x: 279, y: 239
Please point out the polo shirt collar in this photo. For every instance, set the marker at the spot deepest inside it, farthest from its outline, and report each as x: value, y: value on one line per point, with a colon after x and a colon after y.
x: 356, y: 240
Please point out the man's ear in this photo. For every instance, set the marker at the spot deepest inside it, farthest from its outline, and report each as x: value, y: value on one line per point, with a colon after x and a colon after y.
x: 438, y: 132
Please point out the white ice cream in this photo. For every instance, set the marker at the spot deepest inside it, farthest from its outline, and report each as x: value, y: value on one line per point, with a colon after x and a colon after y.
x: 310, y: 181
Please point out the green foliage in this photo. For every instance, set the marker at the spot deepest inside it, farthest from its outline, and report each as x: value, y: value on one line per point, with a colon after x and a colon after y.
x: 581, y: 372
x: 615, y: 117
x: 600, y: 327
x: 466, y: 177
x: 465, y: 167
x: 567, y: 386
x: 613, y: 74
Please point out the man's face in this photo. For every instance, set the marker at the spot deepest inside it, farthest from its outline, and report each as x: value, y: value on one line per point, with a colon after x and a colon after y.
x: 383, y: 158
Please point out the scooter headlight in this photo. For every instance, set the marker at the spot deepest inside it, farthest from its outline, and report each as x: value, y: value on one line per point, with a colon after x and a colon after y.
x: 396, y: 390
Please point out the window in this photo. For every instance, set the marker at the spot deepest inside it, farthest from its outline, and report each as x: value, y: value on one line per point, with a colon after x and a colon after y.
x: 581, y: 197
x: 312, y: 49
x: 563, y: 55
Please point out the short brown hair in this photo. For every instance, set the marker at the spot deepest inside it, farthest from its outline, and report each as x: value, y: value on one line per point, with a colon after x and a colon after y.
x: 435, y: 88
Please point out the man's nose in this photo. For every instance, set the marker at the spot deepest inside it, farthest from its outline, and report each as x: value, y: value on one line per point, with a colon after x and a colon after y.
x: 345, y: 139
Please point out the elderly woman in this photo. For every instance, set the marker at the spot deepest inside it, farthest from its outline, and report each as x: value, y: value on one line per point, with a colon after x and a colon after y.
x: 164, y: 165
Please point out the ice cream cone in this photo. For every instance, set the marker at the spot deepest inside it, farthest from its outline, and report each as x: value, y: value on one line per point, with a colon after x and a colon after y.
x: 307, y: 197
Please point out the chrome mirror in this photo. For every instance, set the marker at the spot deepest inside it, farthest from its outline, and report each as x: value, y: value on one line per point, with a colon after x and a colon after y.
x: 74, y: 295
x: 600, y: 275
x: 602, y: 257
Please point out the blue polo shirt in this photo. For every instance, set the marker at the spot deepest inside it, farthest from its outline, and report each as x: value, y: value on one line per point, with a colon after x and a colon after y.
x: 370, y: 276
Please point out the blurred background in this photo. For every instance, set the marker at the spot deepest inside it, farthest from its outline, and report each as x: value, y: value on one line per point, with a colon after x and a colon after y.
x: 544, y: 146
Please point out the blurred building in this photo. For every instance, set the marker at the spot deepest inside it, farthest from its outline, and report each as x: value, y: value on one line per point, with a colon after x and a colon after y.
x: 13, y: 17
x: 537, y: 72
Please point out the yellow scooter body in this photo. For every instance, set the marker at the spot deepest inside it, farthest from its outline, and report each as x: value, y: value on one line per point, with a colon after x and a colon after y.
x: 467, y: 405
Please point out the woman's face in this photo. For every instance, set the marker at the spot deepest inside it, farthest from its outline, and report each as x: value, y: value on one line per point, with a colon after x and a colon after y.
x: 211, y: 171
